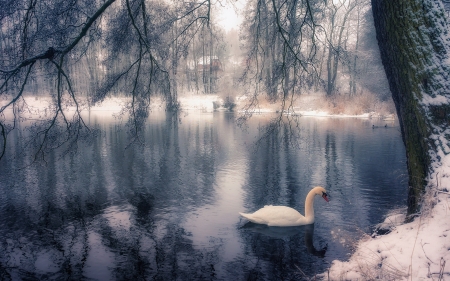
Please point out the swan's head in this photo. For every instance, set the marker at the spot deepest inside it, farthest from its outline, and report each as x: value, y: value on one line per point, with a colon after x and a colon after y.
x: 322, y: 192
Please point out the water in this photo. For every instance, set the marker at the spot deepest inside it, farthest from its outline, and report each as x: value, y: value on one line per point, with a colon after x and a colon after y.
x: 169, y: 210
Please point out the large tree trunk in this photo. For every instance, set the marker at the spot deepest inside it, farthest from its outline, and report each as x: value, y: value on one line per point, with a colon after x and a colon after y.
x: 414, y: 53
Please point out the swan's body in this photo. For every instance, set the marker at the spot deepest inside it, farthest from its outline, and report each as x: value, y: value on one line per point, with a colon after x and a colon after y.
x: 286, y: 216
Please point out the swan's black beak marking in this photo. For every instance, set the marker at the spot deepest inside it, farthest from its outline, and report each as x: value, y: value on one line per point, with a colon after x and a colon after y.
x: 324, y: 196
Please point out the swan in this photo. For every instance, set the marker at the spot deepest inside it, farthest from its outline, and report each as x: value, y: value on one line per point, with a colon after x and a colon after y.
x: 286, y: 216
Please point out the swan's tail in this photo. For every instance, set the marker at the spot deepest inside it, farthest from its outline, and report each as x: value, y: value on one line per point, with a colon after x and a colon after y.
x: 247, y: 216
x: 252, y: 218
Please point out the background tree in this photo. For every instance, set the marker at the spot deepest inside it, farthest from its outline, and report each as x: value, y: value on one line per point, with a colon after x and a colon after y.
x: 127, y: 48
x: 335, y: 39
x: 281, y: 44
x: 316, y: 46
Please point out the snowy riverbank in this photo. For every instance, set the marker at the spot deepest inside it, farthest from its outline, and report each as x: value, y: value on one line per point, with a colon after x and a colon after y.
x: 419, y: 250
x: 308, y: 105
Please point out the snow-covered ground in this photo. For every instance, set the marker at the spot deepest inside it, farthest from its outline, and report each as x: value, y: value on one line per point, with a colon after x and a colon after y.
x: 304, y: 106
x: 419, y: 250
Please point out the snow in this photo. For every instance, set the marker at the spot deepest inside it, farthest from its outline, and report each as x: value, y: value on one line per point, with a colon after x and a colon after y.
x: 417, y: 250
x: 320, y: 113
x: 438, y: 100
x: 198, y: 102
x: 204, y: 103
x: 391, y: 222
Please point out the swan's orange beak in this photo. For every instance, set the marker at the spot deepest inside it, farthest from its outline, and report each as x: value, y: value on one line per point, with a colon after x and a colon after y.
x: 324, y: 196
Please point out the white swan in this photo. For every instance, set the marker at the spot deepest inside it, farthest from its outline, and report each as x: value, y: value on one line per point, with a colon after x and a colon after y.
x: 286, y: 216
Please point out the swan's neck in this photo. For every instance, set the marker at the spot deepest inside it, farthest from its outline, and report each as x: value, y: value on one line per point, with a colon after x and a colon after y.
x: 309, y: 205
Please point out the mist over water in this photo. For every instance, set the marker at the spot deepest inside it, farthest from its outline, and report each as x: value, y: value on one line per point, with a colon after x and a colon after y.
x: 168, y: 210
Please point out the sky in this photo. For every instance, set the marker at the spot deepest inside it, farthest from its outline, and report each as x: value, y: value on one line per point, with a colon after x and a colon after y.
x: 226, y: 15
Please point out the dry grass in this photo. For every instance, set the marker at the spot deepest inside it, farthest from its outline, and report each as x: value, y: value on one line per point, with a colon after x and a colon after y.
x: 344, y: 104
x: 340, y: 104
x: 359, y: 104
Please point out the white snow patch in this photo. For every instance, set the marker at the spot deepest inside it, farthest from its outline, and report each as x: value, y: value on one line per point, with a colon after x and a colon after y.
x: 318, y: 113
x: 391, y: 222
x: 438, y: 100
x: 203, y: 103
x: 37, y: 107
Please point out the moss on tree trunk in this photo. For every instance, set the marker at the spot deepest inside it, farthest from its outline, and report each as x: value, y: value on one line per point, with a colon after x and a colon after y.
x: 413, y: 54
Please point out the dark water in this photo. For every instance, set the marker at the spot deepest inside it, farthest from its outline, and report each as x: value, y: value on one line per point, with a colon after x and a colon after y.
x: 169, y: 210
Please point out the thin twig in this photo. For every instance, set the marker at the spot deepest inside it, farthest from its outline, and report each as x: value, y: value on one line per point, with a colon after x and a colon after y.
x: 414, y: 246
x: 441, y: 271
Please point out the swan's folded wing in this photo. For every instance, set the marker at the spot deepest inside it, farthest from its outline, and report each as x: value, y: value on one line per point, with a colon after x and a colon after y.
x: 253, y: 218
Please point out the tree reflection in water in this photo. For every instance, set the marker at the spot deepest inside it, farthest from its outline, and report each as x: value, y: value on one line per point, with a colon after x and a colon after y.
x: 168, y: 209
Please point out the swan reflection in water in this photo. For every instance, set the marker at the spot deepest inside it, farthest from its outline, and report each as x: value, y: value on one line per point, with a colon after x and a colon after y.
x: 284, y: 232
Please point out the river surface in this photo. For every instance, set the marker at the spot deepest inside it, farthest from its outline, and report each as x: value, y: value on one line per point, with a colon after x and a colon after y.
x: 168, y: 209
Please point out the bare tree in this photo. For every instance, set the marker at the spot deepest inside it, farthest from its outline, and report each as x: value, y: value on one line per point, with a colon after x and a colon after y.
x: 335, y: 39
x: 137, y: 50
x: 281, y: 46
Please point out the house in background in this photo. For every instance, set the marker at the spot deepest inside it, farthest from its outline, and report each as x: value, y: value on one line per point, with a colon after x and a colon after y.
x: 206, y: 70
x: 209, y: 63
